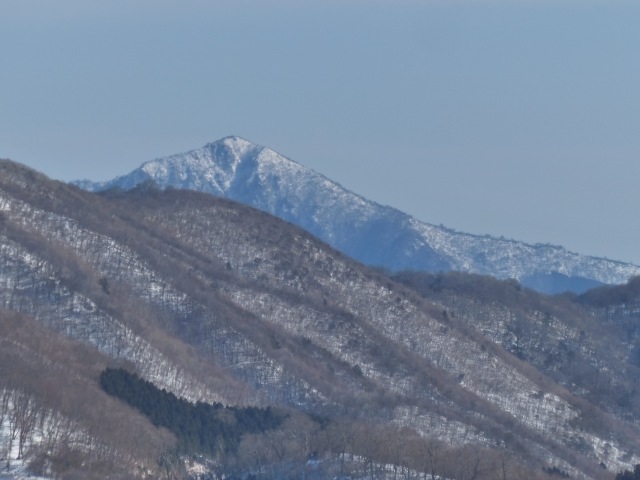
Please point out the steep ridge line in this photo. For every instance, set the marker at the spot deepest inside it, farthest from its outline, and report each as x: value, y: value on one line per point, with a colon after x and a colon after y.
x: 371, y: 233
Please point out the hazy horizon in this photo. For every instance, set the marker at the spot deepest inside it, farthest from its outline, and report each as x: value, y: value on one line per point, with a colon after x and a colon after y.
x: 515, y: 119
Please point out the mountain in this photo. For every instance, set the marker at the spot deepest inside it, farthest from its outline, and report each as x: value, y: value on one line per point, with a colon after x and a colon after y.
x: 309, y: 364
x: 371, y: 233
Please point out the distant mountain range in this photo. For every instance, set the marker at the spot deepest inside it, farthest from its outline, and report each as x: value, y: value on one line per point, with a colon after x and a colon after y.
x: 374, y: 234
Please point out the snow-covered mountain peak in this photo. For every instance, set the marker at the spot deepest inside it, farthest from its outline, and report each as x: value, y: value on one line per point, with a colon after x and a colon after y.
x: 373, y: 234
x: 218, y: 167
x: 238, y: 145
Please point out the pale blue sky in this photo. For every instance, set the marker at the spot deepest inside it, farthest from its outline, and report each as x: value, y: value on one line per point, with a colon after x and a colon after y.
x: 514, y: 118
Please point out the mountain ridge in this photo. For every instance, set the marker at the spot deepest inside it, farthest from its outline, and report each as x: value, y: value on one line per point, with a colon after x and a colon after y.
x: 374, y: 234
x: 216, y: 301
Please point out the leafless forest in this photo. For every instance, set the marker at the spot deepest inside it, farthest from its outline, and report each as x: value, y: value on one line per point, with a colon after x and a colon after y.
x: 376, y: 374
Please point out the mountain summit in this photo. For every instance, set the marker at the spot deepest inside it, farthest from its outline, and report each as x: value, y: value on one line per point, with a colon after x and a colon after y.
x: 371, y: 233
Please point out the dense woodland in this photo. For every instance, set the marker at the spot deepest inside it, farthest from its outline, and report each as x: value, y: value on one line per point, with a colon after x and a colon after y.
x: 295, y: 445
x: 201, y: 428
x: 171, y: 334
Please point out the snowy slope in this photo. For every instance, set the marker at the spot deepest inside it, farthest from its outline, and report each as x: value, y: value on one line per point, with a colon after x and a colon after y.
x: 373, y: 234
x: 210, y: 299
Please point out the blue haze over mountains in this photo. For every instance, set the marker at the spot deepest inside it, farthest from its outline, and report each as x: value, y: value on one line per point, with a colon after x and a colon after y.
x: 374, y: 234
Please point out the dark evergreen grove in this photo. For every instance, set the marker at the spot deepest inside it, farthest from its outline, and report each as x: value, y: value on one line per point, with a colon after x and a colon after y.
x: 200, y: 428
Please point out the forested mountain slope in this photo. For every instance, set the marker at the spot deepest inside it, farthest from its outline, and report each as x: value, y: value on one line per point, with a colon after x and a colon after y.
x: 214, y: 301
x: 373, y: 234
x: 587, y: 343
